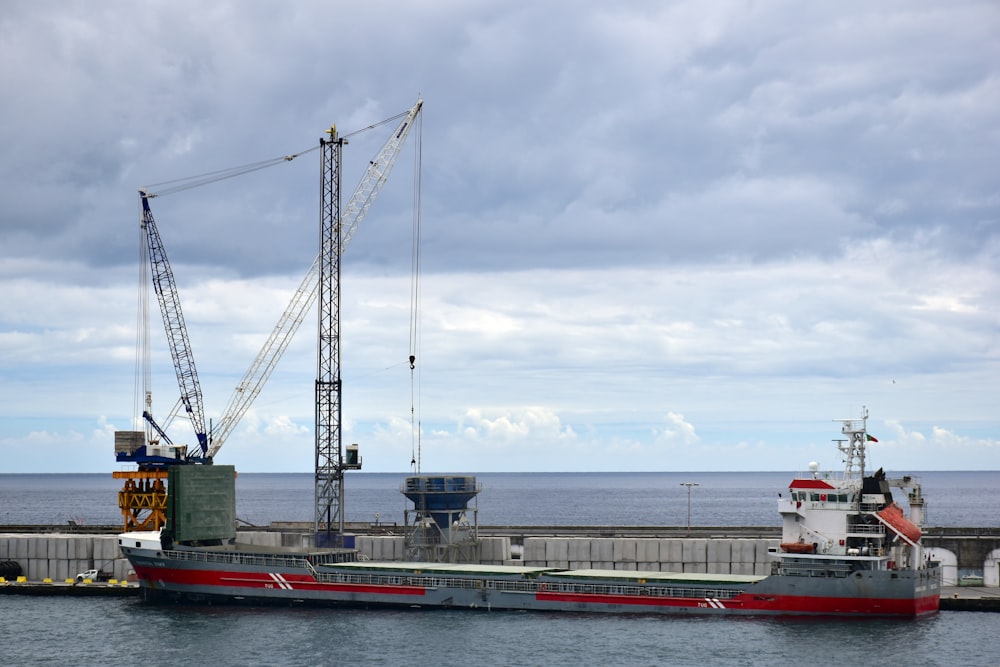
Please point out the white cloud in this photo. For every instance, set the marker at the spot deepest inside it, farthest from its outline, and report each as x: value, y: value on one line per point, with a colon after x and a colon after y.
x: 677, y: 431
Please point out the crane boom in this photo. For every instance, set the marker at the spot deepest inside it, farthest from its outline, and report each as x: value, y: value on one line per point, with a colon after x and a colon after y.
x: 173, y: 325
x: 353, y: 214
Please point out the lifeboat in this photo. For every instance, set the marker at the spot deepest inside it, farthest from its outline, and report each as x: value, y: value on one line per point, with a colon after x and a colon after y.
x: 798, y: 548
x: 893, y: 517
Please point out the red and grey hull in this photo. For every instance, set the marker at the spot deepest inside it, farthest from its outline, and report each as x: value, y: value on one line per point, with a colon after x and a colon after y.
x: 164, y: 576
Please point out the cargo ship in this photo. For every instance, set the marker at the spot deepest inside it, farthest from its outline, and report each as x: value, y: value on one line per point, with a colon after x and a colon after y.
x: 847, y: 549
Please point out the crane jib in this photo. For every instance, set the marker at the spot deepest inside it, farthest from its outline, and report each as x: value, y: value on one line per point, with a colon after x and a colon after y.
x: 173, y: 324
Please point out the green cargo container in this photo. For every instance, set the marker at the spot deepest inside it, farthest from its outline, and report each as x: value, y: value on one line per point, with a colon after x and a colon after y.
x: 201, y: 504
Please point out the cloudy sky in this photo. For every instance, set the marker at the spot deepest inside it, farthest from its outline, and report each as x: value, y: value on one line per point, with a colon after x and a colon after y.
x: 655, y: 235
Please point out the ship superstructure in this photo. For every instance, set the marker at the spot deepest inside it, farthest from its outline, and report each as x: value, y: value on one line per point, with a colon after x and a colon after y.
x: 850, y: 521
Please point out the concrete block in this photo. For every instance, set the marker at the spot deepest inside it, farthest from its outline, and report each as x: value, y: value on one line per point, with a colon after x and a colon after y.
x: 100, y: 549
x: 580, y: 565
x: 246, y: 537
x: 694, y: 551
x: 534, y: 549
x: 74, y: 542
x: 388, y: 548
x: 760, y: 550
x: 762, y: 569
x: 495, y: 548
x: 365, y: 547
x: 744, y: 551
x: 672, y: 567
x: 121, y: 568
x: 5, y: 547
x: 719, y: 551
x: 741, y: 568
x: 602, y: 564
x: 580, y: 549
x: 697, y: 568
x: 624, y: 565
x: 58, y: 547
x: 623, y: 551
x: 556, y: 549
x: 718, y: 568
x: 647, y: 566
x: 561, y: 564
x: 37, y: 569
x: 22, y: 545
x: 59, y: 570
x: 38, y: 548
x: 379, y: 549
x: 647, y: 551
x: 602, y: 549
x: 671, y: 551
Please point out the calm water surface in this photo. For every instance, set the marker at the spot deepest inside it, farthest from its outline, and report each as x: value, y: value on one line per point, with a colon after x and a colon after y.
x: 116, y: 631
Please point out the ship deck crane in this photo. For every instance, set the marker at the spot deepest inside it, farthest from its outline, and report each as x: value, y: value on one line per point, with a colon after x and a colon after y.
x: 143, y: 499
x: 180, y: 352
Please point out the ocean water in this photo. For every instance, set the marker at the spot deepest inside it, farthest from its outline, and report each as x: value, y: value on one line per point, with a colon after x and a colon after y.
x: 123, y: 631
x: 626, y: 499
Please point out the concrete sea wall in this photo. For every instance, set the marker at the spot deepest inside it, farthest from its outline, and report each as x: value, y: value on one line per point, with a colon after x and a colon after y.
x: 60, y: 557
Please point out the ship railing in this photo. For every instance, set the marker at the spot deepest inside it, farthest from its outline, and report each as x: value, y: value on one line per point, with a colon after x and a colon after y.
x: 239, y: 558
x: 866, y: 529
x: 527, y: 586
x: 871, y: 508
x: 811, y: 569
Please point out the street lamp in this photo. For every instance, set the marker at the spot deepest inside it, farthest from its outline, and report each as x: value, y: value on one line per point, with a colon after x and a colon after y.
x: 689, y: 485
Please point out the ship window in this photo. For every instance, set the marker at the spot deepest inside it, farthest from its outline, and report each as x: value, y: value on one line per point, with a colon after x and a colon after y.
x: 815, y: 497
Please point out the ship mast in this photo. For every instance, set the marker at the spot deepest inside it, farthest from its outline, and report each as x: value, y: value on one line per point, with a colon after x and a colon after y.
x: 854, y: 448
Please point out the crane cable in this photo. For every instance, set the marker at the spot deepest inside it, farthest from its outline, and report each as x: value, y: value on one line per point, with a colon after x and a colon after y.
x: 198, y: 180
x: 141, y: 395
x: 415, y: 441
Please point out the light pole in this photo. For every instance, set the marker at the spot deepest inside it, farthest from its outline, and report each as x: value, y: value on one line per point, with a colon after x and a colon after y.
x: 689, y: 485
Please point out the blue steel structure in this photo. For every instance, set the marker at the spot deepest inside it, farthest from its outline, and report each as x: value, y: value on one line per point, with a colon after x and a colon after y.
x: 180, y: 351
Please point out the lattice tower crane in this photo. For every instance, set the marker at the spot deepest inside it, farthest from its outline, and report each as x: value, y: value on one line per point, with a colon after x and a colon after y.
x: 304, y: 298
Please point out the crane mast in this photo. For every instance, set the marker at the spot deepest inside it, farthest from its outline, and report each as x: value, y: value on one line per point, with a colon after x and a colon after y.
x: 329, y: 497
x: 354, y: 212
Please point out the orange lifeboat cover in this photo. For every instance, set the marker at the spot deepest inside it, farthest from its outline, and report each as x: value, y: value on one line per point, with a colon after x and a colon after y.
x: 895, y: 519
x: 797, y: 548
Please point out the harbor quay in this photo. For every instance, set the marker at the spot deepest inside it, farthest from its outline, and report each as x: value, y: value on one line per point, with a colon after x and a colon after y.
x: 53, y: 553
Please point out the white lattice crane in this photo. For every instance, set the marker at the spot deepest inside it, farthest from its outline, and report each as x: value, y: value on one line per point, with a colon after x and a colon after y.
x: 305, y: 295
